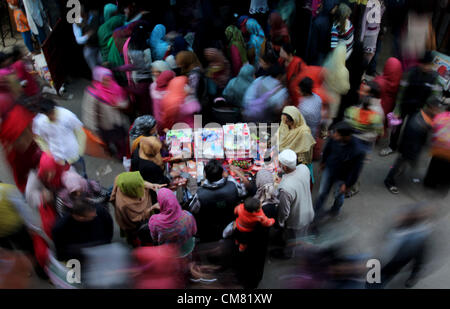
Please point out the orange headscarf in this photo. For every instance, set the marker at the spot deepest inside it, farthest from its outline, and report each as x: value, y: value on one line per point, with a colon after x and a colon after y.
x: 174, y: 98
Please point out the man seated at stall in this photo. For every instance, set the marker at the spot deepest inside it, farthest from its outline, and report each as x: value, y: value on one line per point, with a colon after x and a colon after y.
x: 214, y: 203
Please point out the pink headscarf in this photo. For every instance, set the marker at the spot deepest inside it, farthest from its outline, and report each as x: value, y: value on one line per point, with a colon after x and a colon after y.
x: 111, y: 95
x: 170, y: 211
x: 163, y: 80
x: 74, y: 182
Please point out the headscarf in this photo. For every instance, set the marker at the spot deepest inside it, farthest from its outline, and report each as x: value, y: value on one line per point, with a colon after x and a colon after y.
x: 389, y: 83
x: 109, y: 10
x: 163, y: 80
x: 298, y: 139
x: 73, y: 182
x: 266, y: 192
x: 187, y: 61
x: 234, y: 37
x: 105, y: 35
x: 48, y: 164
x: 160, y: 65
x: 158, y: 45
x: 277, y: 26
x: 236, y: 88
x: 142, y: 126
x: 337, y: 76
x: 256, y: 37
x: 179, y: 44
x: 131, y: 184
x: 111, y: 95
x: 218, y: 67
x: 174, y: 98
x: 150, y: 149
x: 170, y: 211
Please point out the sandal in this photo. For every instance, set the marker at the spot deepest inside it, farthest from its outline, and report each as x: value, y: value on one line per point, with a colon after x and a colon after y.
x: 386, y: 151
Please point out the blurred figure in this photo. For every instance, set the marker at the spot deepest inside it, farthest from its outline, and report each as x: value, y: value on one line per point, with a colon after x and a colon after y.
x: 132, y: 203
x: 158, y: 67
x: 371, y: 26
x: 337, y: 80
x: 58, y: 130
x: 266, y: 96
x: 439, y: 168
x: 20, y: 66
x: 103, y: 104
x: 295, y: 211
x: 20, y: 18
x: 294, y: 65
x: 179, y: 103
x: 157, y: 43
x: 218, y: 69
x: 172, y: 225
x: 236, y: 49
x: 341, y: 164
x: 279, y: 32
x: 255, y: 44
x: 191, y: 67
x: 236, y: 88
x: 407, y: 241
x: 342, y: 31
x: 87, y: 225
x: 112, y: 21
x: 158, y: 89
x: 420, y: 84
x: 310, y: 106
x: 389, y: 83
x: 414, y: 139
x: 159, y: 268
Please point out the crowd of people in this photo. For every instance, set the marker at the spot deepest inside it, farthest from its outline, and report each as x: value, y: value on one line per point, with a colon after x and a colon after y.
x: 148, y: 76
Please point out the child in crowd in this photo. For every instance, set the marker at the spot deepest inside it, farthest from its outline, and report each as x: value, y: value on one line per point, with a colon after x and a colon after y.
x: 249, y: 215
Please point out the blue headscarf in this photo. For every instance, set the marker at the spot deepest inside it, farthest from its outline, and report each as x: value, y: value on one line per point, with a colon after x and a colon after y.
x: 236, y: 88
x: 157, y: 44
x: 256, y: 37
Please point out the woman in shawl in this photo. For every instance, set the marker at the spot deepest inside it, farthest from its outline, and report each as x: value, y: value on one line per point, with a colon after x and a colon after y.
x: 256, y: 41
x: 337, y: 79
x: 236, y: 88
x: 172, y: 225
x: 158, y: 67
x: 266, y: 193
x: 158, y: 90
x: 141, y: 127
x: 295, y: 134
x: 157, y: 43
x: 218, y: 69
x: 147, y: 160
x: 389, y: 84
x: 132, y: 203
x: 179, y: 104
x: 105, y: 32
x: 190, y: 66
x: 236, y: 48
x: 103, y: 103
x: 279, y: 32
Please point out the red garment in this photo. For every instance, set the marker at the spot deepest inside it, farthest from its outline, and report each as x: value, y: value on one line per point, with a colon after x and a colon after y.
x: 316, y: 74
x: 236, y: 61
x: 247, y: 221
x: 389, y: 83
x: 14, y: 123
x: 278, y: 28
x: 48, y: 219
x: 32, y: 87
x: 159, y: 268
x: 48, y: 164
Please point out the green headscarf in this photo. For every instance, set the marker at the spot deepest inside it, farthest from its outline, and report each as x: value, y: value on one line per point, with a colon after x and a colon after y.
x: 234, y: 36
x: 131, y: 184
x: 105, y: 33
x: 109, y: 11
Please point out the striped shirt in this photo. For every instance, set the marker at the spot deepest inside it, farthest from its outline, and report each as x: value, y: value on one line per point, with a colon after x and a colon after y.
x: 347, y: 37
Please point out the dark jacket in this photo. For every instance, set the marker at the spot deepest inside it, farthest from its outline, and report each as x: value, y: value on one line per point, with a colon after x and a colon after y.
x: 216, y: 210
x: 414, y: 137
x: 344, y: 161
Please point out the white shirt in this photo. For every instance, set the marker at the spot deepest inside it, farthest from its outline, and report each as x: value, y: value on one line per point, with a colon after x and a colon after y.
x: 59, y: 135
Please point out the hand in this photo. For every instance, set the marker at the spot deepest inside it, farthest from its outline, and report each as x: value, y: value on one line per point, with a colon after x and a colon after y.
x: 155, y: 207
x: 47, y: 196
x: 343, y: 188
x: 152, y: 186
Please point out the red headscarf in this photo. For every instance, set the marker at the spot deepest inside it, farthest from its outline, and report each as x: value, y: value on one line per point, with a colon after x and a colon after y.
x: 163, y: 80
x: 389, y: 83
x: 48, y: 164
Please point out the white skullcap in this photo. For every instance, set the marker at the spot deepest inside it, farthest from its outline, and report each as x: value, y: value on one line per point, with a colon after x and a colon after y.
x: 288, y: 158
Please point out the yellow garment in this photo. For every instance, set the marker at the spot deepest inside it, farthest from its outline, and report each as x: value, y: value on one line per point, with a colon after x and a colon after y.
x: 337, y: 77
x: 299, y: 139
x: 135, y: 143
x: 10, y: 220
